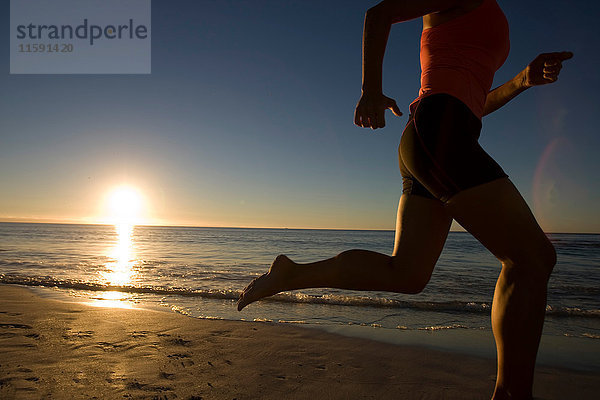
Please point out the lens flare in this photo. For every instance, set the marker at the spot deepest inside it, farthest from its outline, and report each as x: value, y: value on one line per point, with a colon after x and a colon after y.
x: 558, y: 188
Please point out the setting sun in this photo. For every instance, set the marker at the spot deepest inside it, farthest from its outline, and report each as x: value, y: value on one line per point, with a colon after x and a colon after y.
x: 125, y: 205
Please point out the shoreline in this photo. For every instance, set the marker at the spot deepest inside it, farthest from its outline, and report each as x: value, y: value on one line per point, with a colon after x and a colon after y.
x: 61, y: 349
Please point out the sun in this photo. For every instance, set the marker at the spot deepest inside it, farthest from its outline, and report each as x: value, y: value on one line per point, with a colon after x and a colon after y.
x: 125, y: 205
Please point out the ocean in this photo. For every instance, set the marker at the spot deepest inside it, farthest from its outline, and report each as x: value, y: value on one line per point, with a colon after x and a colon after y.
x: 200, y: 272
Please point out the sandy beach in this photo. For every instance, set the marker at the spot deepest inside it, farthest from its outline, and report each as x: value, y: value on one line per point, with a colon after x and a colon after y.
x: 54, y: 349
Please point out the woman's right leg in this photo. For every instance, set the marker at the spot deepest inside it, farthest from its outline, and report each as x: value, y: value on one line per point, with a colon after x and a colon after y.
x: 421, y: 230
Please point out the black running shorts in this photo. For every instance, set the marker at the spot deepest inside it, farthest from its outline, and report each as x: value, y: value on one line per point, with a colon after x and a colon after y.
x: 439, y: 152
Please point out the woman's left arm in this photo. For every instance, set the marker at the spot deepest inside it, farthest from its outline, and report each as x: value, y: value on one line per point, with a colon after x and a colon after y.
x: 543, y: 70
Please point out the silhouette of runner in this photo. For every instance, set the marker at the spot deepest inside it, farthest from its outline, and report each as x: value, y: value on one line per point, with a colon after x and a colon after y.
x: 447, y: 175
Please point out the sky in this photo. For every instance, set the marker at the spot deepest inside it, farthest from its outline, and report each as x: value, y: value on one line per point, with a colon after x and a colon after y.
x: 246, y: 120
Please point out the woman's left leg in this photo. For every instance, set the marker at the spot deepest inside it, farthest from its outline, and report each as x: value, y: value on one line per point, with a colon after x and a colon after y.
x: 422, y: 227
x: 498, y: 216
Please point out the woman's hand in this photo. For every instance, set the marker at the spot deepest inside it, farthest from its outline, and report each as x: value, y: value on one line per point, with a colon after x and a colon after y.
x: 544, y: 69
x: 370, y: 110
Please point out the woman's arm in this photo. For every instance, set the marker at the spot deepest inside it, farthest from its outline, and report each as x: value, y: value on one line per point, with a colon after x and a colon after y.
x: 505, y: 93
x: 544, y: 69
x: 378, y: 22
x: 371, y: 108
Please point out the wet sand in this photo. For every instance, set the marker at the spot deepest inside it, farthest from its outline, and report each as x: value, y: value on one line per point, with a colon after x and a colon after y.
x: 54, y: 349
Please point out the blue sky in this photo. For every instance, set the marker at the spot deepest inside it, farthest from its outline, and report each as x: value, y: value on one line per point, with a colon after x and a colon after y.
x: 246, y: 120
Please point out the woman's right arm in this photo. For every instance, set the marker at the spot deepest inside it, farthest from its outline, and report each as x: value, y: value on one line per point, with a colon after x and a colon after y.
x: 371, y: 108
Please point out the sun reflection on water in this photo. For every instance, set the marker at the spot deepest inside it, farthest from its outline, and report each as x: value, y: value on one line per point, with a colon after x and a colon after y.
x: 120, y: 269
x: 112, y: 299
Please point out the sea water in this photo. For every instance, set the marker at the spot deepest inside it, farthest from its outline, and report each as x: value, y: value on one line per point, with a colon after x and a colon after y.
x: 200, y: 272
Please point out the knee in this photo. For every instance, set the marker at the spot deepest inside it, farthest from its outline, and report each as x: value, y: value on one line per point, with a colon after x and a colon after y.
x: 550, y: 258
x: 408, y: 277
x: 536, y: 265
x: 546, y: 260
x: 417, y: 286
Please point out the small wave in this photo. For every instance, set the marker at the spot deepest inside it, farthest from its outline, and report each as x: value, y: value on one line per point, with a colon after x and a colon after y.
x: 329, y: 299
x: 180, y: 310
x: 583, y: 335
x: 282, y: 321
x: 590, y: 335
x: 571, y: 312
x: 371, y: 324
x: 441, y: 327
x: 81, y: 285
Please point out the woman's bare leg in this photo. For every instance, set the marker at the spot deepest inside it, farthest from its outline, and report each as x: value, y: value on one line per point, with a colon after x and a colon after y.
x: 421, y: 231
x: 496, y: 214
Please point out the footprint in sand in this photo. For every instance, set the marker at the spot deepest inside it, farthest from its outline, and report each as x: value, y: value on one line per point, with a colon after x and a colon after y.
x: 21, y: 380
x: 136, y: 385
x: 179, y: 341
x: 181, y: 359
x: 166, y: 375
x: 15, y: 326
x: 139, y: 334
x: 107, y: 346
x: 179, y: 355
x: 224, y: 332
x: 77, y: 334
x: 9, y: 330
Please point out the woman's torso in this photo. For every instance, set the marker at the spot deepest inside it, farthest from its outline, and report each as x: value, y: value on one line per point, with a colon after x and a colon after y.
x: 461, y: 49
x: 438, y: 18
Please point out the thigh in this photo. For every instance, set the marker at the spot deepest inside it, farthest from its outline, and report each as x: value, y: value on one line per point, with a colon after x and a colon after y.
x: 498, y: 216
x: 410, y: 185
x: 422, y: 227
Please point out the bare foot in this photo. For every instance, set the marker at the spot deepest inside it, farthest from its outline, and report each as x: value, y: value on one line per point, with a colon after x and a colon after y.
x: 268, y: 284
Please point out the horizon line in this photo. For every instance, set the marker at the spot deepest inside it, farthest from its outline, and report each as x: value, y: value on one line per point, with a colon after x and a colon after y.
x: 25, y: 221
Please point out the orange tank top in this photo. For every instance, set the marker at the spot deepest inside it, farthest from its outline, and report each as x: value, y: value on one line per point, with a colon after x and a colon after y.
x: 459, y: 57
